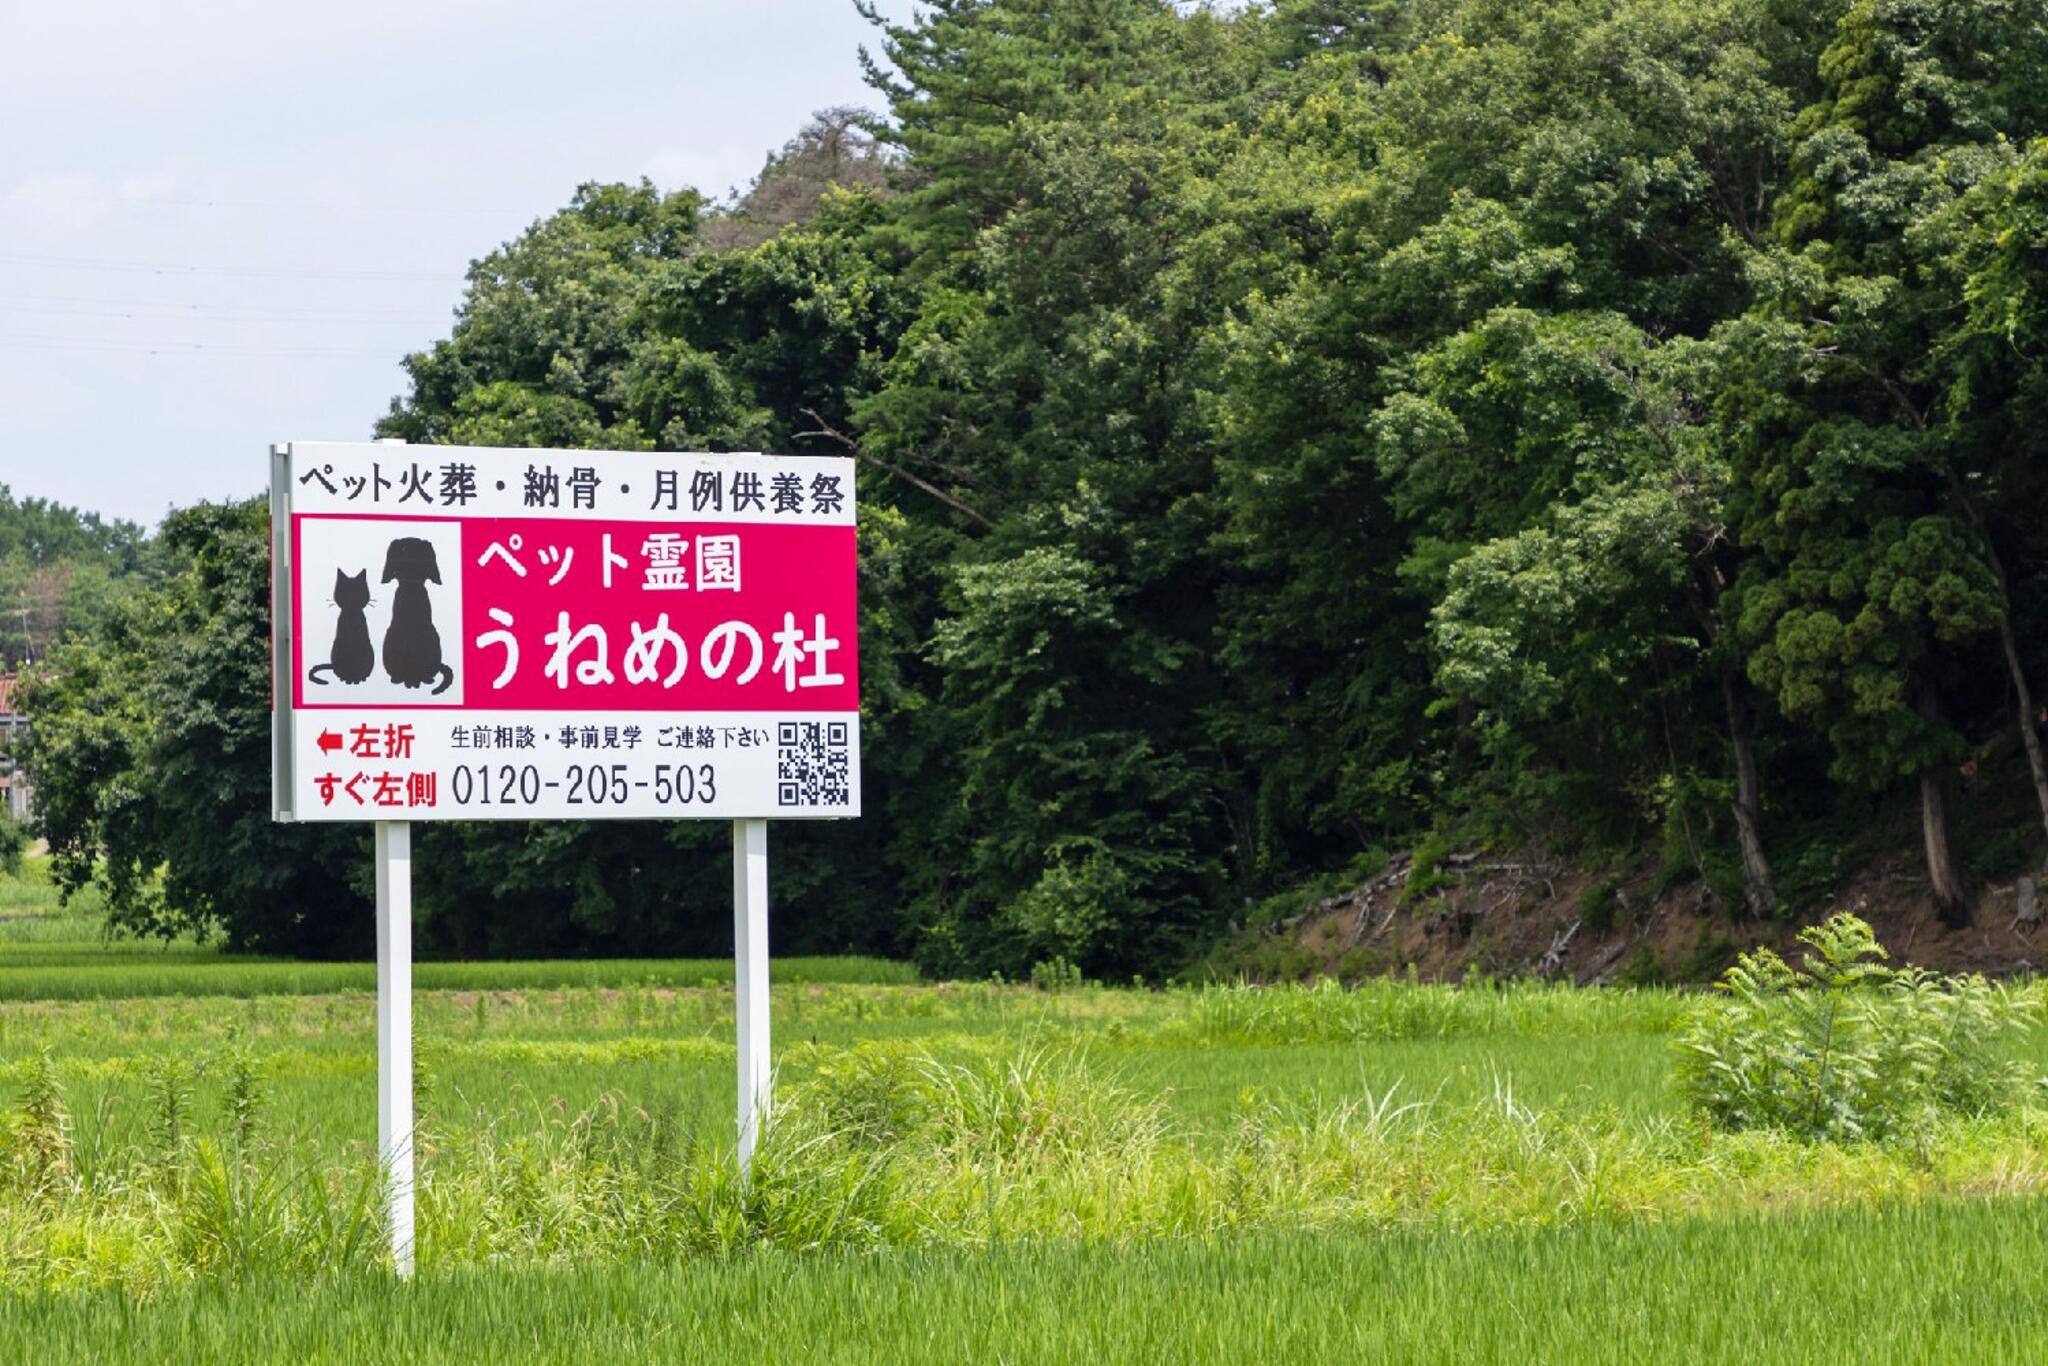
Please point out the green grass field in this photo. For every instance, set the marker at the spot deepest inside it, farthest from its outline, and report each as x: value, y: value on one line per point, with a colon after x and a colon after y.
x: 955, y: 1171
x: 1928, y: 1283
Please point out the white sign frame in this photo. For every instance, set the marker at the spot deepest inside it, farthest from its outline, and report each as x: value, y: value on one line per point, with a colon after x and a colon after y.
x: 393, y: 837
x: 769, y: 751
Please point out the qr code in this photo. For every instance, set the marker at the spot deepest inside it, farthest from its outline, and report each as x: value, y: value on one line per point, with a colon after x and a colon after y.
x: 811, y: 764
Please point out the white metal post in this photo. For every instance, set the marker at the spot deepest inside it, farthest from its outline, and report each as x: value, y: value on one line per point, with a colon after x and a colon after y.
x: 394, y: 1033
x: 750, y: 977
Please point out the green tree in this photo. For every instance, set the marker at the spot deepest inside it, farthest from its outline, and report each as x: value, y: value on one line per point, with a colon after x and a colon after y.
x: 611, y: 325
x: 1872, y: 580
x: 61, y: 570
x: 1609, y: 594
x: 546, y: 326
x: 1481, y: 229
x: 1283, y: 428
x: 151, y: 750
x: 965, y: 78
x: 1074, y: 823
x: 835, y: 152
x: 1994, y: 399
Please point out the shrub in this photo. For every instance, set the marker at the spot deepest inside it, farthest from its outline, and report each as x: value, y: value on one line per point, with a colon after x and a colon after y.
x: 1842, y: 1047
x: 14, y: 839
x: 247, y: 1090
x: 873, y: 1093
x: 1042, y: 1104
x: 1599, y: 905
x: 1643, y: 968
x: 1054, y: 975
x: 170, y: 1103
x: 41, y: 1126
x: 1269, y: 958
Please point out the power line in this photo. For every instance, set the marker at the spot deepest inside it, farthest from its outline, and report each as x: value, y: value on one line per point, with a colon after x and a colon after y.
x: 250, y: 272
x: 109, y: 345
x: 17, y: 198
x: 174, y: 307
x: 215, y: 316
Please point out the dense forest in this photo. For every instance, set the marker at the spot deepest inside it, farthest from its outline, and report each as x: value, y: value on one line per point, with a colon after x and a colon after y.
x: 1288, y: 433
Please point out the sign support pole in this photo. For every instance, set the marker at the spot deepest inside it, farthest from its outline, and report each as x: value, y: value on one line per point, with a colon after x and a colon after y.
x: 394, y: 1034
x: 750, y: 978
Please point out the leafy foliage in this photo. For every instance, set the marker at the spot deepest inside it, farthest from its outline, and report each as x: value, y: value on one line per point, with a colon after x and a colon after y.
x: 61, y: 571
x: 14, y: 842
x: 1843, y: 1048
x: 1286, y: 430
x: 151, y: 750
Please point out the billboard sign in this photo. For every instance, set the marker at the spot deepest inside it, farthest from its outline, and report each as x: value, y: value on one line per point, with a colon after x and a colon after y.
x: 465, y: 633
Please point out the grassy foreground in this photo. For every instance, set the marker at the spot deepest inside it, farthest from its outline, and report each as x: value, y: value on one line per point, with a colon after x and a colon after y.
x: 958, y: 1171
x: 1929, y: 1283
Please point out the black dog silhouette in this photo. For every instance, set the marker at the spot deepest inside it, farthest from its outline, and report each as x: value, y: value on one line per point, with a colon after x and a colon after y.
x: 412, y: 647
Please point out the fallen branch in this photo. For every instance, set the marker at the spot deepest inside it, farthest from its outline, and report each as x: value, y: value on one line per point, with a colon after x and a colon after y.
x: 1553, y: 957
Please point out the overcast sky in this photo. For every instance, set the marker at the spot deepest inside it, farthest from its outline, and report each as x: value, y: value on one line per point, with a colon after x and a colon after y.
x: 222, y: 224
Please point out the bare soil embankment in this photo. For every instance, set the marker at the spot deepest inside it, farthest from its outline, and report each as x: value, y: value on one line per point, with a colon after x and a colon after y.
x: 1523, y: 914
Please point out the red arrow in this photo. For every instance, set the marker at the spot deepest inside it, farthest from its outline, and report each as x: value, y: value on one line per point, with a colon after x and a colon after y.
x: 328, y: 742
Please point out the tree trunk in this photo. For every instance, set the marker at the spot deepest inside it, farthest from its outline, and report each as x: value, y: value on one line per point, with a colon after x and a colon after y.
x: 2029, y: 735
x: 1944, y: 879
x: 1757, y: 887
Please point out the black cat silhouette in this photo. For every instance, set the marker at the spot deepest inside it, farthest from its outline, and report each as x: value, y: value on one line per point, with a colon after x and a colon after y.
x: 351, y: 659
x: 412, y: 647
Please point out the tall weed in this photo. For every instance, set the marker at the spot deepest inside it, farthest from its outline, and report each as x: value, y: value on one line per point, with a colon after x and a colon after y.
x: 1842, y: 1047
x: 42, y: 1129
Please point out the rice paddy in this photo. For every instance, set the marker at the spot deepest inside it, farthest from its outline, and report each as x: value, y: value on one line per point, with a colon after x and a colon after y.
x: 954, y: 1171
